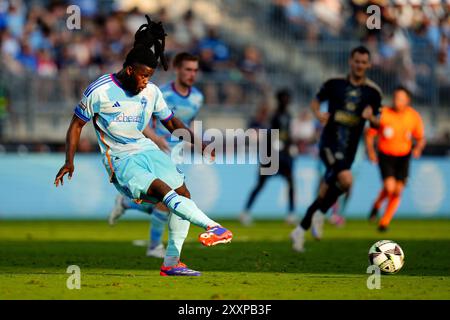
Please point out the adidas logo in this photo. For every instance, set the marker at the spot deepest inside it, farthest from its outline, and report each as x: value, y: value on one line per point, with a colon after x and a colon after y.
x: 116, y: 105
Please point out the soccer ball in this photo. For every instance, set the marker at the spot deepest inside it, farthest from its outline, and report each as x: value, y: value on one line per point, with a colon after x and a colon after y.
x: 387, y: 255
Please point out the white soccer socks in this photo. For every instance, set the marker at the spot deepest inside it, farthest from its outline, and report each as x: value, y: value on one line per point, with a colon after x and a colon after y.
x: 187, y: 209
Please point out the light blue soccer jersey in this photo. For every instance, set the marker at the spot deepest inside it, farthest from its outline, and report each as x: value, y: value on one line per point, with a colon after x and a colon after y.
x: 120, y: 118
x: 185, y: 108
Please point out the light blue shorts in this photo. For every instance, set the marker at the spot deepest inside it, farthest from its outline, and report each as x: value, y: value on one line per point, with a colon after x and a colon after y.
x: 135, y: 173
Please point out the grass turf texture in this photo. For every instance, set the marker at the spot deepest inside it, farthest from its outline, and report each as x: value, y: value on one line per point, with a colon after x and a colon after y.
x: 258, y: 264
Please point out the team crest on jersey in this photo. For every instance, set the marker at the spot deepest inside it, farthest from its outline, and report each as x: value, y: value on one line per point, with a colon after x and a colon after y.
x: 353, y: 93
x: 144, y: 102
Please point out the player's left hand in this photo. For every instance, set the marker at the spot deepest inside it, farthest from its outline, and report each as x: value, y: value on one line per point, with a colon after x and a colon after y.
x: 367, y: 113
x: 416, y: 153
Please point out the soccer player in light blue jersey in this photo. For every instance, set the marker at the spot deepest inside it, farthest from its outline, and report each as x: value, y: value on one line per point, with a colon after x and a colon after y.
x: 185, y: 102
x: 121, y: 106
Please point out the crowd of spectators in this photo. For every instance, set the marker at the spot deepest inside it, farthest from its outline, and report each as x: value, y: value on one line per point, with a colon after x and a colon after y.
x: 35, y: 38
x: 411, y: 32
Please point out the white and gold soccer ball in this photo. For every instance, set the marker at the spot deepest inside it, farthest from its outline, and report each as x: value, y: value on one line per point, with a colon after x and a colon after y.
x: 387, y: 255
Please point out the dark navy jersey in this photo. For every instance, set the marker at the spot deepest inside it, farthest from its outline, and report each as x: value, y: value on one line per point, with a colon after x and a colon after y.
x: 346, y: 103
x: 282, y: 122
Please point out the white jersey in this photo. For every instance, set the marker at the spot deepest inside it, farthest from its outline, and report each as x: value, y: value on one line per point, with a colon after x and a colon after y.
x: 120, y: 118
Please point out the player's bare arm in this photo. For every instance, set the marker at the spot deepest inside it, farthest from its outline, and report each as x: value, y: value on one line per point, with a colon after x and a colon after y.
x: 72, y: 139
x: 369, y: 140
x: 420, y: 145
x: 160, y: 141
x: 173, y: 124
x: 368, y: 115
x: 321, y: 116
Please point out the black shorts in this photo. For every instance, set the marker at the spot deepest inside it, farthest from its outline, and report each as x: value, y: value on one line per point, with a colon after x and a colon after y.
x: 334, y: 163
x: 393, y: 166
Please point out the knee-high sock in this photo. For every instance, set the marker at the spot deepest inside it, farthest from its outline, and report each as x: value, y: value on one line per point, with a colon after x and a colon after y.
x: 178, y: 231
x: 323, y: 205
x: 391, y: 209
x: 158, y: 224
x: 381, y: 197
x: 291, y: 197
x: 144, y: 207
x: 307, y: 219
x: 330, y: 197
x: 187, y: 209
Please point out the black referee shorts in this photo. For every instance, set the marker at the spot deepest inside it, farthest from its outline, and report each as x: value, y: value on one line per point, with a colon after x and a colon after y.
x: 394, y: 166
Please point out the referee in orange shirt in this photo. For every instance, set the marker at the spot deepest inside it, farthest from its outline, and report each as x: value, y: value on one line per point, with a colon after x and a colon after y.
x: 399, y: 125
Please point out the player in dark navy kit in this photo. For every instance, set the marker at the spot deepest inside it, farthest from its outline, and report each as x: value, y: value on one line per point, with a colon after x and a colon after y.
x: 281, y: 120
x: 352, y: 100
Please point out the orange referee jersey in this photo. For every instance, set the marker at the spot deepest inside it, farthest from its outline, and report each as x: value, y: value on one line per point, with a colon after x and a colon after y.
x: 397, y: 130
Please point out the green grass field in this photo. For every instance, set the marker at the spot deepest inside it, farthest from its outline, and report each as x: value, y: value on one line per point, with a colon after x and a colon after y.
x: 258, y: 264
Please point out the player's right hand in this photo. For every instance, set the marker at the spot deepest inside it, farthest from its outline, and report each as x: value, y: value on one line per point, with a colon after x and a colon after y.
x: 367, y: 113
x: 372, y: 157
x: 66, y: 168
x: 323, y: 117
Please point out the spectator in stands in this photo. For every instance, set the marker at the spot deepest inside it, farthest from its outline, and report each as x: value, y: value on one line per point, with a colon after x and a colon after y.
x: 303, y: 131
x: 88, y: 7
x: 9, y: 45
x: 251, y: 65
x: 302, y: 17
x: 4, y: 108
x: 216, y: 48
x: 443, y: 68
x: 46, y: 66
x: 329, y: 13
x: 16, y: 17
x: 26, y: 57
x: 189, y: 31
x: 261, y: 118
x: 215, y: 57
x: 277, y: 14
x: 206, y: 63
x: 253, y: 71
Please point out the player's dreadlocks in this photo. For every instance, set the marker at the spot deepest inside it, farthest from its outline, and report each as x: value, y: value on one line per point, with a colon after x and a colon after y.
x: 150, y: 34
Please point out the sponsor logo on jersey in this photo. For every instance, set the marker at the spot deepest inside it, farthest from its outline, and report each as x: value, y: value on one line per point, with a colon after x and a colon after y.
x: 346, y: 118
x: 128, y: 118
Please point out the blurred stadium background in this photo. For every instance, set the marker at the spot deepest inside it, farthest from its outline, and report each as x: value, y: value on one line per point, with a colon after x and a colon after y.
x: 248, y: 49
